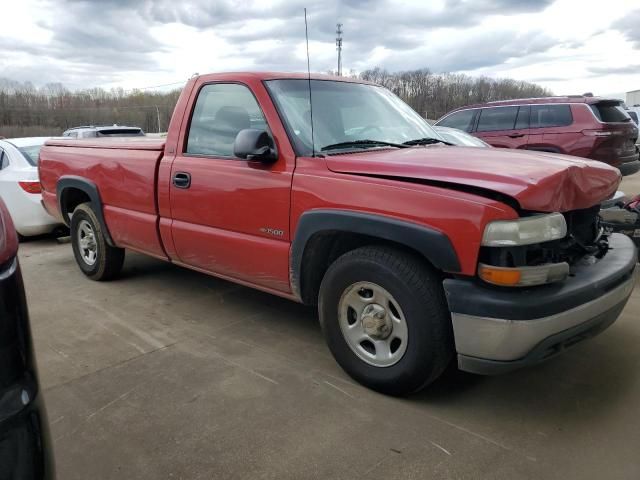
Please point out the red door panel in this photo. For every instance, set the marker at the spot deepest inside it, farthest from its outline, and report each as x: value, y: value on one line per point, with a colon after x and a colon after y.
x: 231, y: 217
x: 222, y: 222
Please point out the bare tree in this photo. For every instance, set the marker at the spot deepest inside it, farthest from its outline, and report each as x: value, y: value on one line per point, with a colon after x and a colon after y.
x: 434, y: 95
x: 51, y: 109
x: 26, y: 110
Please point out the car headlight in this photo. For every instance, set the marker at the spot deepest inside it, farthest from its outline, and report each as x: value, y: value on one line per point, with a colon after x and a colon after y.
x: 525, y: 231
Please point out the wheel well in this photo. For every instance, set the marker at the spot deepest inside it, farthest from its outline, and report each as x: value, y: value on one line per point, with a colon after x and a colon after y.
x: 324, y: 248
x: 70, y: 199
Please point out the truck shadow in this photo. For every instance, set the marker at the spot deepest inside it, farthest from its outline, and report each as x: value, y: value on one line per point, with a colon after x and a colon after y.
x: 585, y: 382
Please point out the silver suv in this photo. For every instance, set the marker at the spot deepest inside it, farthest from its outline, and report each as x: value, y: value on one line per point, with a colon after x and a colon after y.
x: 92, y: 131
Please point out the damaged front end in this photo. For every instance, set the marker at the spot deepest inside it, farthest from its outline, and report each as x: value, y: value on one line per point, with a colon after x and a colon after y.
x: 580, y: 239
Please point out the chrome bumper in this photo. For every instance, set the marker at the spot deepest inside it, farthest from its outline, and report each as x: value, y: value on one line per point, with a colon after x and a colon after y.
x: 498, y: 330
x: 508, y: 340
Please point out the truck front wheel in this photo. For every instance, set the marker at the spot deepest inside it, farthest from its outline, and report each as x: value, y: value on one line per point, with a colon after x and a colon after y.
x: 95, y: 257
x: 385, y: 318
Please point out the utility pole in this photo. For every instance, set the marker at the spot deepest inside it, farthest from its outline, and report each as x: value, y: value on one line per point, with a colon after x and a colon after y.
x: 339, y: 47
x: 158, y: 113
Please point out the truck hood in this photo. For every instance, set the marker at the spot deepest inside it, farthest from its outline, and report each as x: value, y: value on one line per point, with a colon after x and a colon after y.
x: 538, y: 181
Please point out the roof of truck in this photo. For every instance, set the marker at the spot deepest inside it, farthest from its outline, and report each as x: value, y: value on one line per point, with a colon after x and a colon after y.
x: 277, y: 76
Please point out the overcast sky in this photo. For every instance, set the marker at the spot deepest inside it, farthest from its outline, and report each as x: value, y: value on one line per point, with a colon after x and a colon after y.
x: 569, y: 46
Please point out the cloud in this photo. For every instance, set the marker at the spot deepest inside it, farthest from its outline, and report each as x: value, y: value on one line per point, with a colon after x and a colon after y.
x: 621, y: 70
x: 136, y: 43
x: 367, y: 23
x: 629, y: 26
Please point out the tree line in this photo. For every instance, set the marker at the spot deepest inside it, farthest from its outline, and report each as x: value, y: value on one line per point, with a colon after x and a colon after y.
x: 47, y: 111
x: 433, y: 95
x: 26, y: 110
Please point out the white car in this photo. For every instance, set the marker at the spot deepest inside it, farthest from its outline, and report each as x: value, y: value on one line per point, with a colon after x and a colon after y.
x: 20, y: 186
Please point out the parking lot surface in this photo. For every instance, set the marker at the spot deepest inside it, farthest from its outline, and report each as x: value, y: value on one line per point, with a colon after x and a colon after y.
x: 168, y: 373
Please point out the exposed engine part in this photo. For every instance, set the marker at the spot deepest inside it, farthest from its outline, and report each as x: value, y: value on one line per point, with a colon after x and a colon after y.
x: 617, y: 214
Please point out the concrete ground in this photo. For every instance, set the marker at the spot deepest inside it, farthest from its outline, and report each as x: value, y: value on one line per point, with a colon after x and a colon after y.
x: 168, y: 373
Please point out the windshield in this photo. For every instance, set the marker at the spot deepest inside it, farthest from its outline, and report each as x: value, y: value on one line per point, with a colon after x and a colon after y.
x: 31, y: 153
x: 345, y: 112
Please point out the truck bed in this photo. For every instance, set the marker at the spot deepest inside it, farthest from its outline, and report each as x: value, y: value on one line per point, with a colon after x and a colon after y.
x: 126, y: 182
x: 121, y: 143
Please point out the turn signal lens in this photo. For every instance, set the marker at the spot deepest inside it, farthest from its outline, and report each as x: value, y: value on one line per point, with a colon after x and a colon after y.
x: 499, y: 276
x: 31, y: 187
x: 523, y: 276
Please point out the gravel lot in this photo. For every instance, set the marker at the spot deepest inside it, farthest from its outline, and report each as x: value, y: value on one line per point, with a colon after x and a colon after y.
x: 168, y: 373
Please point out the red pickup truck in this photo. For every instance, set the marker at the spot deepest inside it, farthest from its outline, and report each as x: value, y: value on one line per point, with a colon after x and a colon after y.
x: 332, y: 191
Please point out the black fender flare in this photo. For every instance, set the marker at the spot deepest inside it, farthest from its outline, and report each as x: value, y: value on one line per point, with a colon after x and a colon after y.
x: 91, y: 189
x: 434, y: 245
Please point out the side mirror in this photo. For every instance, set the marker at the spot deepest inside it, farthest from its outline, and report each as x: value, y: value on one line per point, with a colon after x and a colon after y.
x: 254, y: 145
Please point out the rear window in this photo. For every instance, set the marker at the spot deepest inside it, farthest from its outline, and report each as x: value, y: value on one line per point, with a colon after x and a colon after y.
x: 550, y: 116
x: 460, y: 120
x: 609, y: 112
x: 120, y: 132
x: 498, y: 118
x: 31, y: 153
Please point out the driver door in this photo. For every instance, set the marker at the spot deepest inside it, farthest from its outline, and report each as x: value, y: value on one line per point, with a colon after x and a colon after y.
x: 230, y: 217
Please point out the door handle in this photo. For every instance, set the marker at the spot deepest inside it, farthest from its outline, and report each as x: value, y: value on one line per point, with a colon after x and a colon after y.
x: 181, y: 180
x: 516, y: 135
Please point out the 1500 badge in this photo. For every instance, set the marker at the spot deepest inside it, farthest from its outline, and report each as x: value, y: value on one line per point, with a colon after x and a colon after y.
x: 272, y: 231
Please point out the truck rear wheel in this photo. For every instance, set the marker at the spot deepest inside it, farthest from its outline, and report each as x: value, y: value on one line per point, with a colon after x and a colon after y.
x: 385, y: 318
x: 95, y: 257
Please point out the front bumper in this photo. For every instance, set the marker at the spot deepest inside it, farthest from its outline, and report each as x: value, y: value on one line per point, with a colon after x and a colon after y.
x: 501, y: 329
x: 30, y: 218
x: 629, y: 168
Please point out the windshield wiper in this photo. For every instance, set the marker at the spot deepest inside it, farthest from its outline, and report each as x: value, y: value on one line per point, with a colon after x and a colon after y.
x: 425, y: 141
x: 362, y: 144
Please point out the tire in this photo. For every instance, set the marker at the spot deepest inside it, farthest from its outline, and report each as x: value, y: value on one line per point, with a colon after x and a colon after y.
x: 107, y: 260
x: 413, y: 293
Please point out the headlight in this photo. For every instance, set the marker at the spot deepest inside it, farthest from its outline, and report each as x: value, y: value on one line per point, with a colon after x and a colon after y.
x: 525, y: 231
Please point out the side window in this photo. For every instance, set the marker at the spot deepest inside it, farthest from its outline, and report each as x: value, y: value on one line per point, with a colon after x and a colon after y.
x: 550, y: 116
x: 523, y: 118
x: 461, y: 120
x: 497, y: 118
x: 221, y: 111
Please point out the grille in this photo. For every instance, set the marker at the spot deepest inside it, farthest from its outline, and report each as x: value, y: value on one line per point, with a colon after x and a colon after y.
x: 583, y: 225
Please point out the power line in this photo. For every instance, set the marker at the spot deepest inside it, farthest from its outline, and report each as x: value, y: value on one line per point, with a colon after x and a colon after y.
x: 157, y: 86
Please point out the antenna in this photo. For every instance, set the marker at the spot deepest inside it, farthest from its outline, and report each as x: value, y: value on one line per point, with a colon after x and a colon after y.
x: 339, y: 47
x: 306, y: 34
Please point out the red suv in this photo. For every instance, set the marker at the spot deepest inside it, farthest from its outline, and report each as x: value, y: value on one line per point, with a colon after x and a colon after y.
x: 589, y: 127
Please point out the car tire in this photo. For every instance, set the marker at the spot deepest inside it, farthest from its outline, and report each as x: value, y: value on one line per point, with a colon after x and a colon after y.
x: 95, y: 257
x: 405, y: 305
